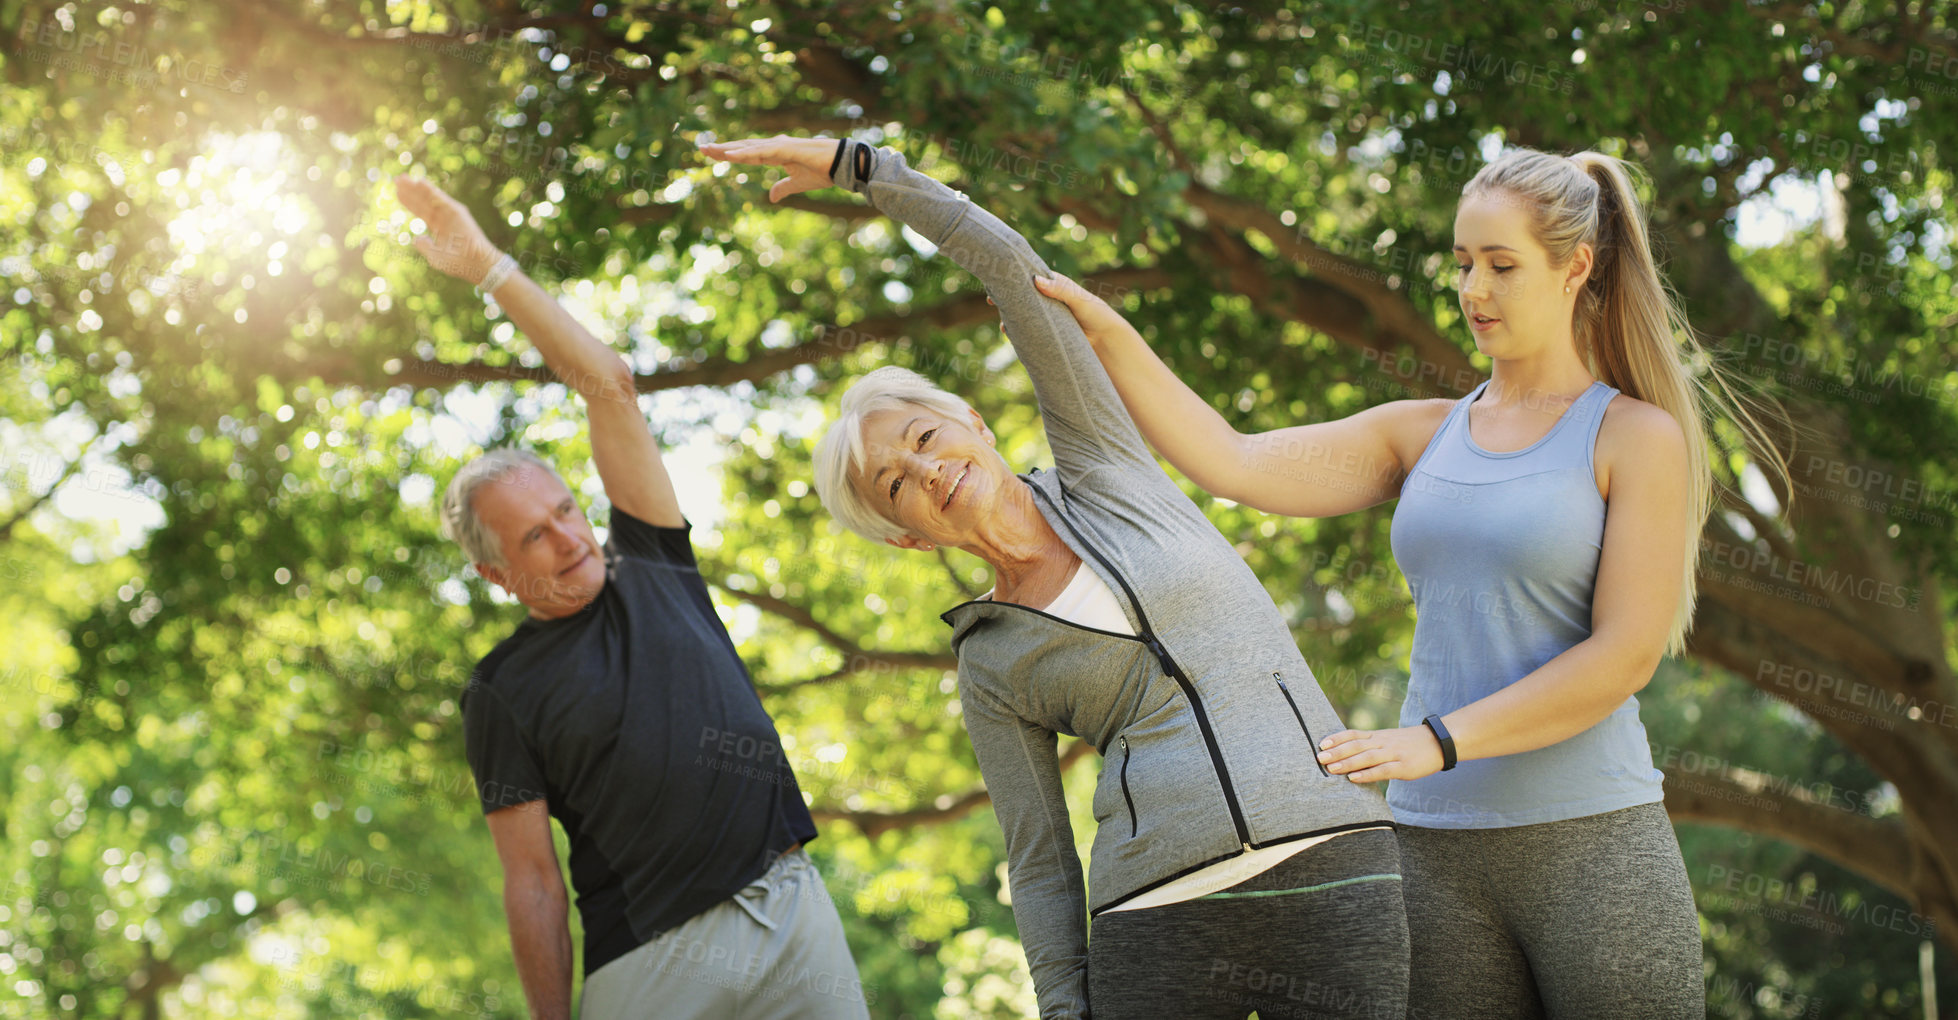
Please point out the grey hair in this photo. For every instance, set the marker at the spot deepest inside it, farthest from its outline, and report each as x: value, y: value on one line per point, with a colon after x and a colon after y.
x: 840, y: 451
x: 459, y: 520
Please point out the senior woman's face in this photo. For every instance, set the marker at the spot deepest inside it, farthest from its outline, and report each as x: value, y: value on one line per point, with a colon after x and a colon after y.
x: 937, y: 477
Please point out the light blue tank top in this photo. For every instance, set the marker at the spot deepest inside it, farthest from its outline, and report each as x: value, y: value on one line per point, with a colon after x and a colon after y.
x: 1501, y: 553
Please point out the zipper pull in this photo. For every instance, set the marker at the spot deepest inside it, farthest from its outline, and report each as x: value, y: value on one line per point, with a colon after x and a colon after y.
x: 1162, y: 654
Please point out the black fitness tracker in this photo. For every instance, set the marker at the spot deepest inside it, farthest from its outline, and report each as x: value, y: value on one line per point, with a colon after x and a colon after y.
x: 1434, y: 725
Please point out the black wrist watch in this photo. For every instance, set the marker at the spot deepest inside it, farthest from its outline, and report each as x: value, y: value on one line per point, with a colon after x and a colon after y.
x: 1434, y: 725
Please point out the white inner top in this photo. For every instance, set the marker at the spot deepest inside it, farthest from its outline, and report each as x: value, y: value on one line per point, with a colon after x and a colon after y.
x: 1088, y: 601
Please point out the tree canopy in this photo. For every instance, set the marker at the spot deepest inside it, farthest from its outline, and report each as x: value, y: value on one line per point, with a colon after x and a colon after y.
x: 234, y: 777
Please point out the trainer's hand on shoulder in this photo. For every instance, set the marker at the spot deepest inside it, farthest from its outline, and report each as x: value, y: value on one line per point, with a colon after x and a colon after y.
x: 806, y: 159
x: 1369, y: 756
x: 454, y: 244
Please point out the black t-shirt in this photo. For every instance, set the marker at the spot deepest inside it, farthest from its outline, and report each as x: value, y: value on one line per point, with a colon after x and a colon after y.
x: 635, y: 720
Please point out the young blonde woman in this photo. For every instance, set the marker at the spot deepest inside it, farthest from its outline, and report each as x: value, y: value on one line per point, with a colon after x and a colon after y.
x: 1547, y: 526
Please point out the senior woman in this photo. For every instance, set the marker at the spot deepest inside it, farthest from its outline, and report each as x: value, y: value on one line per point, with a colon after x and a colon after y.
x: 1229, y: 871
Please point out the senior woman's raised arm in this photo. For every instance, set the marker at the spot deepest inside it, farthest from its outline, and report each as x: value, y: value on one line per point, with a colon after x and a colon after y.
x: 1087, y: 426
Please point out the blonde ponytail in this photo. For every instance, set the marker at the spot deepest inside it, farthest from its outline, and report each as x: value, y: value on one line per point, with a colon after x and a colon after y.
x: 1628, y: 323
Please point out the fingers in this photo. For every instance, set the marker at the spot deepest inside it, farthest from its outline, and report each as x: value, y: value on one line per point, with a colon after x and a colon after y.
x: 758, y: 151
x: 795, y: 183
x: 1058, y: 287
x: 1067, y: 292
x: 1343, y: 745
x: 1352, y: 757
x: 420, y: 197
x: 1378, y: 773
x: 1342, y: 737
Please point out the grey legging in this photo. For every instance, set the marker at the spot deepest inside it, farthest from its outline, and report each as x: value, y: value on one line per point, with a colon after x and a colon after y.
x: 1320, y: 936
x: 1588, y: 918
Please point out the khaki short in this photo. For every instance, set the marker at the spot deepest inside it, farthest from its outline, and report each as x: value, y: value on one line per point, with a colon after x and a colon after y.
x: 775, y: 951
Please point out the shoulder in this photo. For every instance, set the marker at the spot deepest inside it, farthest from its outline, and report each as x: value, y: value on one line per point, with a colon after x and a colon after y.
x: 484, y: 675
x: 1639, y: 442
x: 1411, y: 424
x: 1428, y: 410
x: 1631, y: 423
x: 634, y: 538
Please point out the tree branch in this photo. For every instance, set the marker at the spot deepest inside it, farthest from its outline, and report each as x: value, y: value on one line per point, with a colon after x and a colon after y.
x: 947, y: 808
x: 7, y: 527
x: 1747, y: 800
x: 953, y: 313
x: 958, y: 582
x: 856, y: 658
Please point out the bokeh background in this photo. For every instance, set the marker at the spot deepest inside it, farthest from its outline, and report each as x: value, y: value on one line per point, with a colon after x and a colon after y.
x: 233, y: 642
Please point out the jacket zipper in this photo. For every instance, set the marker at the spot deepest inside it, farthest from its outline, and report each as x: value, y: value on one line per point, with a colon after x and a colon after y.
x: 1300, y: 716
x: 1134, y: 822
x: 1175, y: 672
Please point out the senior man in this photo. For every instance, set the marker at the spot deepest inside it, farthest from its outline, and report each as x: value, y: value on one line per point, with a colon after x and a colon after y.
x: 620, y: 707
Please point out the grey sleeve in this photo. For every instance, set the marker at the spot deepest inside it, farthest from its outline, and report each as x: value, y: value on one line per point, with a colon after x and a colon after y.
x: 1088, y: 429
x: 1023, y: 777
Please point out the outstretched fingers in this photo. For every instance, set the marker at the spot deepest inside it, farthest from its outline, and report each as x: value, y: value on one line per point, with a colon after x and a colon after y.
x: 807, y: 160
x: 416, y: 195
x: 452, y: 243
x: 758, y: 151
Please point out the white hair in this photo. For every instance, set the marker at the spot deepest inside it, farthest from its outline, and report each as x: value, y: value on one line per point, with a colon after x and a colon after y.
x: 840, y: 451
x: 459, y: 520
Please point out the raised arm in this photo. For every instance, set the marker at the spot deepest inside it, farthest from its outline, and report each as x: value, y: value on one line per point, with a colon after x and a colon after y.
x: 1086, y: 425
x: 622, y: 443
x: 1316, y: 470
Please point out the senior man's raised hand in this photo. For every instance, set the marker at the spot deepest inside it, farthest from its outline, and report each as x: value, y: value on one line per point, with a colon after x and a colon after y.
x: 454, y: 244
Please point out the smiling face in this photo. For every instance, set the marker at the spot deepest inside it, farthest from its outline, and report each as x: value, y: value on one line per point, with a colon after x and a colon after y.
x: 934, y: 475
x: 1513, y: 297
x: 551, y: 560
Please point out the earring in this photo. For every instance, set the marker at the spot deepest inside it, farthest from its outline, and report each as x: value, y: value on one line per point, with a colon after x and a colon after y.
x: 1566, y: 290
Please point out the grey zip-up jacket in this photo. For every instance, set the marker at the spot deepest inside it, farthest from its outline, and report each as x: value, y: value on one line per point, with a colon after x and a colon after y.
x: 1208, y: 721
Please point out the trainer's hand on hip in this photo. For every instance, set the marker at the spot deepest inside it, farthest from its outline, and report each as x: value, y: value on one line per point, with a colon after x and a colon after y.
x: 454, y: 243
x: 1368, y: 756
x: 806, y: 159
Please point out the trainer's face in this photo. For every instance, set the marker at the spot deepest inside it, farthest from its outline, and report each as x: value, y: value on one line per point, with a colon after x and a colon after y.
x: 937, y: 477
x: 1514, y: 299
x: 551, y: 559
